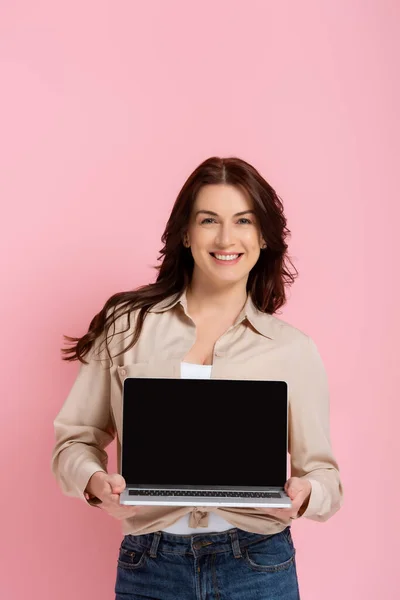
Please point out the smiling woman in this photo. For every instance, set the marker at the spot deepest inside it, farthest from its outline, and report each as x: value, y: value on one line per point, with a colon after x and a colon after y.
x: 219, y: 180
x: 209, y: 314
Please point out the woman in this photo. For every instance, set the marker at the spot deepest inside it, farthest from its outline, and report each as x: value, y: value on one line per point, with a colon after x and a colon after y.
x: 209, y: 314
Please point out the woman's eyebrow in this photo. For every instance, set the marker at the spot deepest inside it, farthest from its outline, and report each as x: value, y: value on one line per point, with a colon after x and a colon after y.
x: 214, y: 214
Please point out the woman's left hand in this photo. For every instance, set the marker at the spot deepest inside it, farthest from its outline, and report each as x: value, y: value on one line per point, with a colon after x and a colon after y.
x: 298, y: 490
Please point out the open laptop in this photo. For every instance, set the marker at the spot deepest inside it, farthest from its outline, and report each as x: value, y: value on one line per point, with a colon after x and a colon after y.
x: 204, y: 442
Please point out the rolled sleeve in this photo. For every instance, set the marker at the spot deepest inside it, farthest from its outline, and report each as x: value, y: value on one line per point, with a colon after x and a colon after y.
x: 309, y: 436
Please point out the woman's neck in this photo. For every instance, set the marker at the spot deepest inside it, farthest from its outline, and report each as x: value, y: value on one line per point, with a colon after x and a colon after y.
x: 205, y: 301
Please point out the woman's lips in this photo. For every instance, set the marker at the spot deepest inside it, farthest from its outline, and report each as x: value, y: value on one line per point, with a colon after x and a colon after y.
x: 227, y: 260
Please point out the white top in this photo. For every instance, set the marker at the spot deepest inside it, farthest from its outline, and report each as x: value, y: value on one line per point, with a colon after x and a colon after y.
x: 215, y: 522
x: 192, y: 371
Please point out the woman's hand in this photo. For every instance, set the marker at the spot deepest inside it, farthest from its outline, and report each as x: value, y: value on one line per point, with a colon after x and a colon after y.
x: 108, y: 489
x: 299, y: 491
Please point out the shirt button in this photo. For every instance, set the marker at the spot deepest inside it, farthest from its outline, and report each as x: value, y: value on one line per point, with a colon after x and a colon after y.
x: 123, y: 371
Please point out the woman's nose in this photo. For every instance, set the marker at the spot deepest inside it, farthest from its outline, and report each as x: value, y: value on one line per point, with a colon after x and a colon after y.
x: 225, y: 235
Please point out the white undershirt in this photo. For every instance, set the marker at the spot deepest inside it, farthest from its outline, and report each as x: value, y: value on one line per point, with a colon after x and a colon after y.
x: 215, y: 522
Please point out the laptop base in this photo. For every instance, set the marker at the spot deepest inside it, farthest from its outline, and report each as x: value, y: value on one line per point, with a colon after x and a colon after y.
x: 129, y: 498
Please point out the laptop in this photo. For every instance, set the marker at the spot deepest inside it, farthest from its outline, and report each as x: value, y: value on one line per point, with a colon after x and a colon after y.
x: 204, y: 442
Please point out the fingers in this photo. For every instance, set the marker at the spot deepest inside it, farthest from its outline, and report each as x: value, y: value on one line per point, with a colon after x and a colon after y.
x: 292, y: 488
x: 114, y: 498
x: 295, y: 486
x: 297, y: 489
x: 117, y: 483
x: 111, y: 486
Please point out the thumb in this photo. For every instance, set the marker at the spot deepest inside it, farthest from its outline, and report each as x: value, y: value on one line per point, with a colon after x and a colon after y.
x: 116, y: 482
x: 293, y: 486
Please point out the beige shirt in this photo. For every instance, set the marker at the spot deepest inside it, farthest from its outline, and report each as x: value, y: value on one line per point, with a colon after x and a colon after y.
x: 257, y: 346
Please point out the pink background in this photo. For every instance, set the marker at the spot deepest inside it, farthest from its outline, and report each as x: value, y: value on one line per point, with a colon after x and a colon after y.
x: 106, y: 107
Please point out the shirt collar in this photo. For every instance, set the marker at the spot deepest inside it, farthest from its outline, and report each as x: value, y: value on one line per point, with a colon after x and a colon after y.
x: 260, y: 321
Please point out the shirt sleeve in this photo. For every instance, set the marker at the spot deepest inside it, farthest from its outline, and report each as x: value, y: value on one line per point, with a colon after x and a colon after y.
x: 84, y: 427
x: 310, y: 448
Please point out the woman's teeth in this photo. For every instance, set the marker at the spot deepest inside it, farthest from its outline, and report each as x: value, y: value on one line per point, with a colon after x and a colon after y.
x: 226, y: 256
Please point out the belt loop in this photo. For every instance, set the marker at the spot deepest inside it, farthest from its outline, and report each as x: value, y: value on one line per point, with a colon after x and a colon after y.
x: 154, y: 544
x: 235, y: 544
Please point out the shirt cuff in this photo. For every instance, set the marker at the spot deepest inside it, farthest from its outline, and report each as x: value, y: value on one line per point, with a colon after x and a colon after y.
x: 315, y: 499
x: 85, y: 473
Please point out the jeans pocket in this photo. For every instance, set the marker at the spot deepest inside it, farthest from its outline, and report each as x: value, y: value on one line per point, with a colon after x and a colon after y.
x: 131, y: 558
x: 270, y: 554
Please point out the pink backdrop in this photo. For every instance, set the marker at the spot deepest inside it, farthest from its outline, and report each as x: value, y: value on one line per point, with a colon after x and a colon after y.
x: 106, y: 107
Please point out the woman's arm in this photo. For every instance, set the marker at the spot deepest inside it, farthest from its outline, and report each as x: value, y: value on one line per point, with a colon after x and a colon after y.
x: 309, y: 436
x: 84, y: 427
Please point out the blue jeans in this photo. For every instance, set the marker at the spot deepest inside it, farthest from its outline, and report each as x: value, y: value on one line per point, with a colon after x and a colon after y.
x: 229, y: 565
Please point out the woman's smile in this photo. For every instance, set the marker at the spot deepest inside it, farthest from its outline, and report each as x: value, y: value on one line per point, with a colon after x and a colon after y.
x: 223, y: 258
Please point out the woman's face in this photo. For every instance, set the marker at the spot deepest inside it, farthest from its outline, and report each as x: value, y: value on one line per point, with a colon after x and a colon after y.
x: 223, y: 234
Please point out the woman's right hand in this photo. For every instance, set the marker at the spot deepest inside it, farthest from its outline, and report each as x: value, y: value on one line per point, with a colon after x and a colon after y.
x: 108, y: 488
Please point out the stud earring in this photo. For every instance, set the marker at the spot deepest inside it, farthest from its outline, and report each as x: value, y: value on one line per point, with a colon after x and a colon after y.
x: 264, y: 246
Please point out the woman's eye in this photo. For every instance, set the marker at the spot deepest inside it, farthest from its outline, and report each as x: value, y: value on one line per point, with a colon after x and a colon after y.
x: 208, y: 220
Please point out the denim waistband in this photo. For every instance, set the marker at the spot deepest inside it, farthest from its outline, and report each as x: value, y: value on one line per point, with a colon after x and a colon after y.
x: 199, y: 544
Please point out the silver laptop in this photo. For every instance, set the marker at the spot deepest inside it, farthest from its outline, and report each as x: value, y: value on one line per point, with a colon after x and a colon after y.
x: 204, y: 442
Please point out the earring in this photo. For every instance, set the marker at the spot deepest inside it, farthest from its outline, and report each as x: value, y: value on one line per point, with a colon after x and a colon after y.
x: 264, y: 246
x: 186, y: 241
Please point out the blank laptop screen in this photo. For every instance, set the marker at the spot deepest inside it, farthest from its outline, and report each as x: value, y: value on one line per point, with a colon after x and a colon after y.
x: 204, y: 432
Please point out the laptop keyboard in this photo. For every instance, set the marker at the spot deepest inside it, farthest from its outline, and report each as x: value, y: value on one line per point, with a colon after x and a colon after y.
x: 210, y: 494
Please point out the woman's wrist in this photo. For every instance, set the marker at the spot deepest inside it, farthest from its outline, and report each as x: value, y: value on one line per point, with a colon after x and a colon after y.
x: 92, y: 485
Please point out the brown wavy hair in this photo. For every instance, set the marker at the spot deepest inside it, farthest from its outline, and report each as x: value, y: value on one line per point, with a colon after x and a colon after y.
x: 267, y: 279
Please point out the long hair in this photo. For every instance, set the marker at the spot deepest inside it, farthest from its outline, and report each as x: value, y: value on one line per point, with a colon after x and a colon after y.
x: 267, y: 279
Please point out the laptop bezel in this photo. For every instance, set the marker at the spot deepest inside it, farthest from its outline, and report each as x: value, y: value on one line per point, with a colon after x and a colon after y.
x: 206, y: 487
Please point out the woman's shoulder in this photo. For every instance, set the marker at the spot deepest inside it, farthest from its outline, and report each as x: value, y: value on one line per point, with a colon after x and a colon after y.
x: 301, y: 346
x: 119, y: 329
x: 277, y: 328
